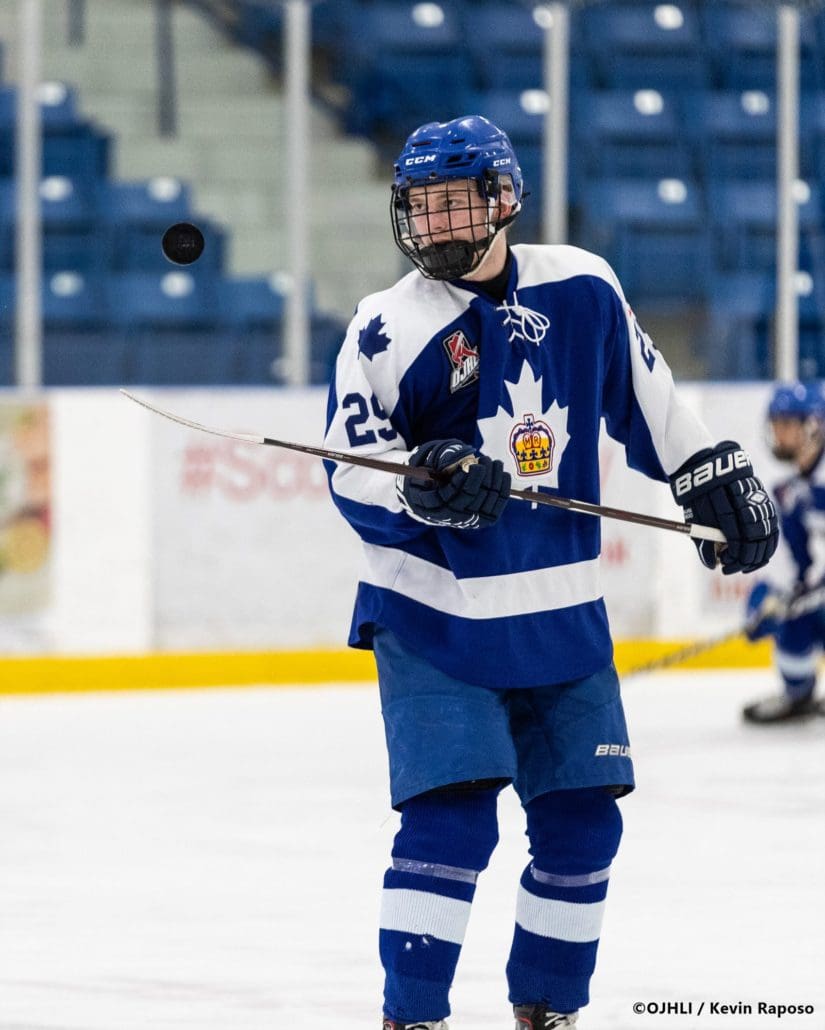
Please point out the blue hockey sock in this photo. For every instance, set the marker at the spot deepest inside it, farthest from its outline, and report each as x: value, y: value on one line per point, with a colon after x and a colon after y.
x: 445, y: 841
x: 574, y: 835
x: 798, y: 672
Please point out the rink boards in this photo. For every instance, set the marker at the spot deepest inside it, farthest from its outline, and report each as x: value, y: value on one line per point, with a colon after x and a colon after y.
x: 137, y: 553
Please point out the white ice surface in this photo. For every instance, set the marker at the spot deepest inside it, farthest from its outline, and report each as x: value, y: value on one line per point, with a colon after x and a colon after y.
x: 213, y: 859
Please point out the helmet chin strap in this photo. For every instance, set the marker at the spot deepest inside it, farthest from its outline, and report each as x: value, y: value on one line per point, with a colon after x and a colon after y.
x: 485, y: 257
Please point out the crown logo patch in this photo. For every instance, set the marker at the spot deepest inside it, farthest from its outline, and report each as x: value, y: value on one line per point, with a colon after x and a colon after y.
x: 533, y: 446
x: 529, y: 435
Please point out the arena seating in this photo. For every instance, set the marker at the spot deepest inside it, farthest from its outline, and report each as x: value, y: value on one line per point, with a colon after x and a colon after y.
x: 672, y: 161
x: 115, y: 310
x: 675, y: 100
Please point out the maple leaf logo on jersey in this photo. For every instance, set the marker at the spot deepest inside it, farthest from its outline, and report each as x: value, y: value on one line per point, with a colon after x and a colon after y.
x: 372, y: 339
x: 530, y: 439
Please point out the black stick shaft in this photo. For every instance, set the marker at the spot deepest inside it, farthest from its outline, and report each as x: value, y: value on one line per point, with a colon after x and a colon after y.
x: 399, y: 469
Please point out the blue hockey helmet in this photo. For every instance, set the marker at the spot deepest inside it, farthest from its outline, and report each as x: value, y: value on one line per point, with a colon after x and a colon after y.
x: 476, y: 161
x: 799, y: 402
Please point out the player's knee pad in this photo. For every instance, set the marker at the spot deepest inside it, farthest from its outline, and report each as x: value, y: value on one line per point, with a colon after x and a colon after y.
x: 456, y: 828
x: 574, y: 831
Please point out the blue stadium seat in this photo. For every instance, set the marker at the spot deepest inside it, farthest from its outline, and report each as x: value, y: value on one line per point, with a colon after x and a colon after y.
x: 404, y: 27
x: 72, y: 145
x: 405, y: 66
x: 82, y: 154
x: 653, y: 232
x: 507, y: 42
x: 642, y: 45
x: 734, y: 133
x: 332, y: 23
x: 252, y: 310
x: 258, y: 24
x: 157, y: 203
x: 507, y: 45
x: 812, y: 135
x: 176, y: 299
x: 742, y: 325
x: 71, y: 239
x: 527, y: 226
x: 80, y: 348
x: 172, y: 327
x: 246, y: 303
x: 134, y: 217
x: 630, y: 133
x: 71, y: 233
x: 8, y: 216
x: 58, y: 106
x: 67, y: 203
x: 7, y: 331
x: 740, y: 310
x: 745, y: 217
x: 326, y: 336
x: 137, y: 247
x: 519, y: 112
x: 812, y: 323
x: 742, y: 42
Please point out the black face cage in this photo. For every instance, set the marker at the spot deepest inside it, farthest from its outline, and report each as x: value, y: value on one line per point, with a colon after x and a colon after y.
x: 439, y: 228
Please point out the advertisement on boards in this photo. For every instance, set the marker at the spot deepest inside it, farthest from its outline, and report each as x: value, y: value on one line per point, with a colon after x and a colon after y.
x: 25, y: 523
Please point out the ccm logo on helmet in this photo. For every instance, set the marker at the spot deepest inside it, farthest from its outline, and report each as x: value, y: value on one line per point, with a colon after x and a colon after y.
x: 711, y: 470
x: 501, y: 161
x: 422, y: 159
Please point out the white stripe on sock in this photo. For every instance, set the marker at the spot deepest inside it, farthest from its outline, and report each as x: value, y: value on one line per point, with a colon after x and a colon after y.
x: 564, y: 920
x: 421, y: 912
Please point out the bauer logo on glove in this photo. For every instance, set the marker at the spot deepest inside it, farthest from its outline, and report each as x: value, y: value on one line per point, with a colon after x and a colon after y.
x: 717, y: 487
x: 709, y: 471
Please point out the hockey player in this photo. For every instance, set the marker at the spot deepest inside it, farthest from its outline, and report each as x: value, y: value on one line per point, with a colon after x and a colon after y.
x: 484, y: 364
x: 796, y: 427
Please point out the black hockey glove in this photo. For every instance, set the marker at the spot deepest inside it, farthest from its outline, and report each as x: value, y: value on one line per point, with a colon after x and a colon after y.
x: 717, y: 487
x: 470, y: 498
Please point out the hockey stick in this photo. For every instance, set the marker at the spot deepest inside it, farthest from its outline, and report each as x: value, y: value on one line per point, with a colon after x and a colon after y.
x: 771, y: 606
x: 533, y: 497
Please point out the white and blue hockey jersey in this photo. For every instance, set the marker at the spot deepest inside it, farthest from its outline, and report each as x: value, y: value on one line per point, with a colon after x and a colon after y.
x: 800, y: 558
x: 528, y: 381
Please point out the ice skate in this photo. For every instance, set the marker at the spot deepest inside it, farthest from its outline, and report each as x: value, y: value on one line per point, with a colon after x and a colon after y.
x: 391, y: 1024
x: 539, y: 1017
x: 782, y: 709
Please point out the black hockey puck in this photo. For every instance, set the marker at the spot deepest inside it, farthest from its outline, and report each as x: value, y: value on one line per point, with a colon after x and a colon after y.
x: 182, y: 243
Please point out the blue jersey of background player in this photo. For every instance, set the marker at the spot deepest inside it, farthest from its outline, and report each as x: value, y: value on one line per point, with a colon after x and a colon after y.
x: 484, y: 364
x: 796, y: 426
